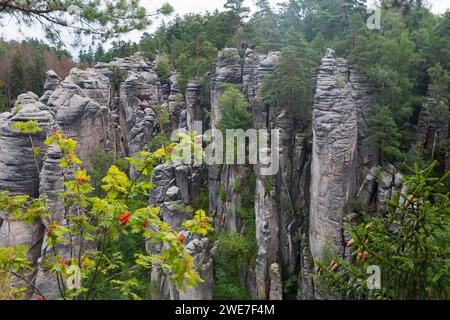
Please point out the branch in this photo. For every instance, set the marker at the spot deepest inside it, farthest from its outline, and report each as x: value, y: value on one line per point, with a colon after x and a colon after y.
x: 30, y: 10
x: 28, y: 282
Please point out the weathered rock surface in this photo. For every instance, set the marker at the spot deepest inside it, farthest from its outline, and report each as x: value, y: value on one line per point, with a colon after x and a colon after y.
x: 173, y: 193
x: 19, y: 171
x: 432, y: 131
x: 334, y: 158
x: 298, y: 210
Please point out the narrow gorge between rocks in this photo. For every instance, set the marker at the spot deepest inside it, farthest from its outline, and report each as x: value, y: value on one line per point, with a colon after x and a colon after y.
x: 265, y: 153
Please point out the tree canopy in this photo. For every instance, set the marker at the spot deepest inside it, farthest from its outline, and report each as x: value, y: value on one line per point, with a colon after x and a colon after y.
x: 99, y: 19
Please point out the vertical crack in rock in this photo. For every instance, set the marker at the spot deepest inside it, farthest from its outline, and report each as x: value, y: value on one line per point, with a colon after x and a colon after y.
x: 334, y: 158
x: 113, y: 107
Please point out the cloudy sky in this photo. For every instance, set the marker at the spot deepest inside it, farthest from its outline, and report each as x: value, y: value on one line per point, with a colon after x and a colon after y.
x: 9, y: 31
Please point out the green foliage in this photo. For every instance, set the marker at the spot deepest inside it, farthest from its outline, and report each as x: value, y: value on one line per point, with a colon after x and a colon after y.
x: 290, y: 288
x: 354, y: 205
x: 99, y: 55
x: 237, y: 6
x: 101, y: 161
x: 2, y: 97
x: 237, y: 184
x: 246, y: 207
x: 237, y: 253
x: 200, y: 224
x: 341, y: 80
x: 410, y: 245
x: 37, y: 72
x: 13, y: 262
x: 87, y: 56
x: 29, y: 127
x: 235, y: 109
x: 268, y: 184
x: 162, y: 138
x: 102, y: 20
x: 117, y: 77
x: 163, y: 67
x: 290, y: 85
x: 232, y: 255
x: 222, y: 193
x: 439, y: 91
x: 386, y: 135
x: 118, y: 214
x: 203, y: 199
x: 17, y: 75
x: 163, y: 116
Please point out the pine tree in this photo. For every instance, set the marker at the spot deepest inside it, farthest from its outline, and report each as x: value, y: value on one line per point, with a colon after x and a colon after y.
x: 99, y: 55
x: 440, y: 87
x: 386, y: 135
x: 290, y: 84
x: 235, y: 109
x: 87, y: 57
x: 37, y: 74
x: 2, y: 98
x: 98, y: 19
x: 17, y: 76
x: 237, y: 6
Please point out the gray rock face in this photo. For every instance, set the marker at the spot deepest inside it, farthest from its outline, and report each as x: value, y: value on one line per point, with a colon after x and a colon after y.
x: 19, y: 171
x: 432, y: 132
x: 174, y: 193
x: 116, y: 107
x: 199, y: 249
x: 343, y: 161
x: 81, y: 110
x: 227, y: 69
x: 52, y: 185
x: 249, y: 73
x: 177, y: 105
x: 111, y: 107
x: 363, y: 97
x: 334, y: 158
x: 193, y: 106
x: 276, y: 287
x: 52, y: 82
x: 138, y: 94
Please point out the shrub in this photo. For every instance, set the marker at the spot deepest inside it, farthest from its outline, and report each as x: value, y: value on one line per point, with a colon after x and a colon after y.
x: 120, y: 215
x: 231, y: 256
x: 163, y: 67
x: 235, y: 109
x: 409, y: 244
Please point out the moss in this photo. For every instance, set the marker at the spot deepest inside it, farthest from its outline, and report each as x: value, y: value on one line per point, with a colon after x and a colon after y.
x: 163, y: 68
x: 202, y: 200
x: 117, y: 77
x: 290, y: 288
x: 285, y: 204
x: 268, y: 184
x: 237, y: 252
x: 222, y: 194
x: 341, y: 80
x: 354, y: 205
x: 237, y: 186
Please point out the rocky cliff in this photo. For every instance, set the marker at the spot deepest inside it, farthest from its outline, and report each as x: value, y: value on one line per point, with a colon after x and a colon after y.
x: 295, y: 214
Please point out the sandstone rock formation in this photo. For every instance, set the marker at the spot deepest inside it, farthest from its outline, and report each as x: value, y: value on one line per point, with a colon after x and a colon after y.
x: 342, y: 155
x: 298, y: 212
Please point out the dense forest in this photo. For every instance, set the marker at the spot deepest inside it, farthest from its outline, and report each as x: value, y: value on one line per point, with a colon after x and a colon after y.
x: 405, y: 61
x: 23, y: 67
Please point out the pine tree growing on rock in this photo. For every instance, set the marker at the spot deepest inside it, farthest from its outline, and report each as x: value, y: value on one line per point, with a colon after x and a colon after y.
x: 386, y: 135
